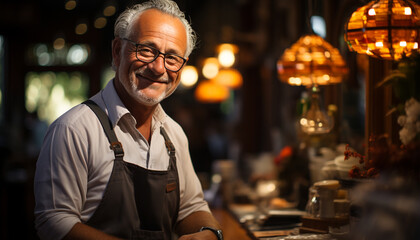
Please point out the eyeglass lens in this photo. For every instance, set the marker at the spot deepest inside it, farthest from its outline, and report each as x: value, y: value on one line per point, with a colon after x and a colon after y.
x: 148, y: 54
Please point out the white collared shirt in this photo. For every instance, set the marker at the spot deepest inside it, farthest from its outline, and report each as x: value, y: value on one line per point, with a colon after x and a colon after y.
x: 75, y: 163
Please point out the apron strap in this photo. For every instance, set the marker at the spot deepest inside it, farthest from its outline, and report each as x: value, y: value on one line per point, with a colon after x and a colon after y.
x: 169, y: 146
x: 115, y: 145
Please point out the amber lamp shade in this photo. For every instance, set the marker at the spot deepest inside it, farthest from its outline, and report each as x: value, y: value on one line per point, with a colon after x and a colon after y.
x: 229, y: 77
x: 385, y: 29
x: 311, y: 61
x: 210, y: 92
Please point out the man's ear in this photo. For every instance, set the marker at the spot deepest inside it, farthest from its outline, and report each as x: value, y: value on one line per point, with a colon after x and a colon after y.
x: 116, y: 52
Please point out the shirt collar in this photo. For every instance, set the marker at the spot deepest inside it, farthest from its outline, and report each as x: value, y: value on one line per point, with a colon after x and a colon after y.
x: 117, y: 110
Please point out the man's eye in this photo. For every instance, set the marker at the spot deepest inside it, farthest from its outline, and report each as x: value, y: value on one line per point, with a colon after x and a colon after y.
x: 171, y: 57
x: 147, y: 51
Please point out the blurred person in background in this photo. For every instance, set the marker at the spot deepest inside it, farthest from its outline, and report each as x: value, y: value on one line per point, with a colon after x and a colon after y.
x: 117, y: 166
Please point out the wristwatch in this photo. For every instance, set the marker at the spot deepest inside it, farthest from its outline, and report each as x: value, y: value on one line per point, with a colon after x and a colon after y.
x: 218, y: 233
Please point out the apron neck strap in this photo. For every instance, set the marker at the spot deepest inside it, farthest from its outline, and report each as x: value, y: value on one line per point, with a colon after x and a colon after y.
x: 115, y: 145
x: 169, y: 146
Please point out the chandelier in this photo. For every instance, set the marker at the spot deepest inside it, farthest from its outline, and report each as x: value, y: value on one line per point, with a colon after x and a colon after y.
x: 386, y: 29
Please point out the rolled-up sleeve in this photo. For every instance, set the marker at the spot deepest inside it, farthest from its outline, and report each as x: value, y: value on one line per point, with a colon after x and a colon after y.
x: 60, y: 182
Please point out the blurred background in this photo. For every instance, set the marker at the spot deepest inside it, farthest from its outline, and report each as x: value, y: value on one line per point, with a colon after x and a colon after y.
x: 54, y: 54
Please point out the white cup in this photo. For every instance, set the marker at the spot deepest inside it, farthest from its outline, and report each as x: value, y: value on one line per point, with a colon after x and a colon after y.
x: 326, y: 190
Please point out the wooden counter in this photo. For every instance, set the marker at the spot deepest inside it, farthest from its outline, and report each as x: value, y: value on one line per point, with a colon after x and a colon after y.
x: 231, y: 228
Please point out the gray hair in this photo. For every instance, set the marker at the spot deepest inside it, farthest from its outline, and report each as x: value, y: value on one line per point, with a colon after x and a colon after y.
x: 126, y: 19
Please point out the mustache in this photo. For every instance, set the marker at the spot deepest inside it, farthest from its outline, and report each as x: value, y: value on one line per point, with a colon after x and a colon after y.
x: 149, y: 75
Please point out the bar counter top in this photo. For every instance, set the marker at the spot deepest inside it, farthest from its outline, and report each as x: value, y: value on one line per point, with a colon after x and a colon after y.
x: 234, y: 230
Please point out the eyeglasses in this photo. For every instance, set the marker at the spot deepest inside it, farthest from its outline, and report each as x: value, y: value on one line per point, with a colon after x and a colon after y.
x: 148, y: 54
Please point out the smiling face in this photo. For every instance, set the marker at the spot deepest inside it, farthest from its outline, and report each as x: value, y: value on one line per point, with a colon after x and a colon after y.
x: 148, y: 83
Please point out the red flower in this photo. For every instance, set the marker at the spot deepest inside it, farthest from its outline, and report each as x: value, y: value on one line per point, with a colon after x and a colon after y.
x: 285, y: 153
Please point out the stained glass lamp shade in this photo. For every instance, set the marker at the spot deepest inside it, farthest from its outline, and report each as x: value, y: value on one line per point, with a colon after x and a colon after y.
x: 385, y: 29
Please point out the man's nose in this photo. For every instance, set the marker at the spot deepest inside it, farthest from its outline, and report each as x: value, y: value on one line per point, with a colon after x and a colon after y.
x: 158, y: 65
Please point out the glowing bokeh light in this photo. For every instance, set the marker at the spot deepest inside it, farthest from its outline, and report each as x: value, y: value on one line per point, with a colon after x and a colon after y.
x: 81, y: 28
x: 189, y: 76
x: 210, y: 68
x: 100, y: 22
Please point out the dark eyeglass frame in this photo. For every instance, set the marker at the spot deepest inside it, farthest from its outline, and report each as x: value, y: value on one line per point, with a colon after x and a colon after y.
x: 137, y: 45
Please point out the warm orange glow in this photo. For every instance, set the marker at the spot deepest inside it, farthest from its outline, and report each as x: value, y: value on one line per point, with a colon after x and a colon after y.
x: 397, y: 21
x: 70, y: 5
x: 311, y: 60
x: 81, y: 29
x: 189, y: 76
x: 227, y: 46
x: 210, y: 67
x: 226, y: 54
x: 295, y: 81
x: 210, y: 92
x: 109, y: 10
x: 59, y: 43
x: 230, y: 78
x: 100, y: 22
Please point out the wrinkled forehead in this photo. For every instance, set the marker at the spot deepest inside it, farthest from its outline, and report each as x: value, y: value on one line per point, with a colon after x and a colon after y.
x: 153, y: 15
x: 154, y: 24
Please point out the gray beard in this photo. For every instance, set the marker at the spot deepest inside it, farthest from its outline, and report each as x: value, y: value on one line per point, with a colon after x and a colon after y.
x: 143, y: 99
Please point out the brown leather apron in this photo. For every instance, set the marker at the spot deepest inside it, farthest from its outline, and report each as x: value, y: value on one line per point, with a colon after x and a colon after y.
x: 138, y: 203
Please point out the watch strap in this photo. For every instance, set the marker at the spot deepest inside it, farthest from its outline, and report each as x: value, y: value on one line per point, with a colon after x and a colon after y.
x: 218, y: 233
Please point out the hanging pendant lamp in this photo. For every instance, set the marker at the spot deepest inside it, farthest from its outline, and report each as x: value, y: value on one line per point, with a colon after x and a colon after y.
x: 386, y: 29
x: 311, y: 60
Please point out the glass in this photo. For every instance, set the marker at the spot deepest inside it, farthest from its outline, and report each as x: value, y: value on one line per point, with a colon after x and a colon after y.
x: 312, y: 207
x: 148, y: 54
x: 316, y: 120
